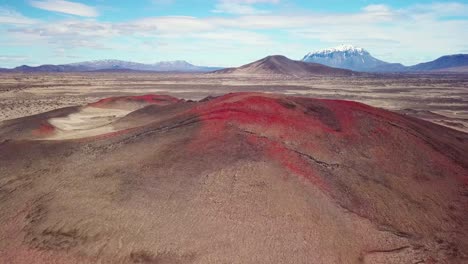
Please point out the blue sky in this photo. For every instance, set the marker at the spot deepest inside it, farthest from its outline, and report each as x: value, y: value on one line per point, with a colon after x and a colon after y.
x: 226, y: 32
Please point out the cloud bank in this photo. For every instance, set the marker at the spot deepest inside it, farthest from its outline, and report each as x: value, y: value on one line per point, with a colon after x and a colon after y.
x: 66, y: 7
x: 409, y: 35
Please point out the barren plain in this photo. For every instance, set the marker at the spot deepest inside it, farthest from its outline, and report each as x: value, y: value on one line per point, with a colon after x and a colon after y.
x: 186, y: 168
x: 439, y: 98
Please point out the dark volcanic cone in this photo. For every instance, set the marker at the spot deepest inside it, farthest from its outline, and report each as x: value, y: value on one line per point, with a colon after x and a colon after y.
x: 242, y: 178
x: 281, y: 65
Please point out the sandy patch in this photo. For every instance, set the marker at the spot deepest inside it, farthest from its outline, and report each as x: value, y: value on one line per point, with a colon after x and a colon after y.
x: 88, y: 122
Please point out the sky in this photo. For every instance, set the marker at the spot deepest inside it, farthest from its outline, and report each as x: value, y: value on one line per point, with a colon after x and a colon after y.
x: 226, y: 32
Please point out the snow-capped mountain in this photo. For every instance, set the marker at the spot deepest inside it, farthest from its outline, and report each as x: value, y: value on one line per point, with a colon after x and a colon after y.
x: 348, y: 57
x: 342, y: 48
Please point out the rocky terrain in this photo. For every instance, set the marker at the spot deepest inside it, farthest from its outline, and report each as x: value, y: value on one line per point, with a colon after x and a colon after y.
x: 251, y: 177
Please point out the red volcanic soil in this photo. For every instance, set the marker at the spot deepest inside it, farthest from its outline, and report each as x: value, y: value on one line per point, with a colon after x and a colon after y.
x: 147, y: 99
x: 37, y: 126
x: 44, y: 129
x: 244, y: 178
x: 32, y: 127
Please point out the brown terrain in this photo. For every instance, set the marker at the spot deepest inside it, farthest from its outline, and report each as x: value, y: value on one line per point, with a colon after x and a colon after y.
x: 148, y: 168
x: 281, y: 65
x: 460, y: 69
x: 439, y: 98
x: 245, y: 178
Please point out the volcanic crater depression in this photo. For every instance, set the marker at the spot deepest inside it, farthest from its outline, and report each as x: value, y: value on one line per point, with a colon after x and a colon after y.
x: 254, y: 177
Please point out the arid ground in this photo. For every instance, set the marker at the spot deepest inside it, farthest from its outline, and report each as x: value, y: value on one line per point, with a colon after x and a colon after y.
x: 440, y: 98
x: 122, y: 172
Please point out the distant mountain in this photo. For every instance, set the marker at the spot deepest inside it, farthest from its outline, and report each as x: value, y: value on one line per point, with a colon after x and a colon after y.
x: 443, y: 63
x: 114, y: 65
x: 182, y: 66
x: 109, y: 64
x: 389, y: 67
x: 347, y: 57
x: 358, y: 59
x: 280, y: 65
x: 163, y: 66
x: 49, y: 68
x: 343, y: 57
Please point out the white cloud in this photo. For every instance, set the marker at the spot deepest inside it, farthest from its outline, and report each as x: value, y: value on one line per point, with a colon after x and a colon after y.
x: 169, y: 24
x: 406, y: 35
x: 241, y: 7
x: 377, y: 8
x: 66, y: 7
x: 235, y: 37
x: 9, y: 16
x: 13, y: 58
x: 446, y: 8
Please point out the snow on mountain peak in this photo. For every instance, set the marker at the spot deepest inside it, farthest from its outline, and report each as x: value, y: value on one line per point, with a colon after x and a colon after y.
x: 341, y: 48
x: 345, y: 57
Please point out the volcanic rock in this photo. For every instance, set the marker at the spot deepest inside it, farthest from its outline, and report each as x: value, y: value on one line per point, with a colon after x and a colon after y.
x: 243, y: 178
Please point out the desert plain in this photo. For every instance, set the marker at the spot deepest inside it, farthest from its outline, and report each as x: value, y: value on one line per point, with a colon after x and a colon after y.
x: 439, y: 98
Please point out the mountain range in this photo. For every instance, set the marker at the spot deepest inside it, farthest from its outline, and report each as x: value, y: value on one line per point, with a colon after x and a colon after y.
x: 359, y: 59
x: 115, y: 65
x: 343, y: 57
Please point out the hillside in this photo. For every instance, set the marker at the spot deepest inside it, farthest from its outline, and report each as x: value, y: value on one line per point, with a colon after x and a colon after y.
x: 281, y: 65
x: 442, y: 63
x: 250, y: 177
